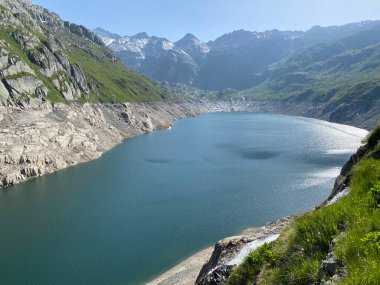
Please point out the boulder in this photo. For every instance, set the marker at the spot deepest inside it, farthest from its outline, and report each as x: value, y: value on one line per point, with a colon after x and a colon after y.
x: 79, y: 77
x: 217, y: 276
x: 331, y: 265
x: 68, y: 90
x: 147, y: 125
x: 3, y: 58
x: 17, y: 68
x: 30, y: 171
x: 26, y: 40
x: 63, y: 60
x: 8, y: 20
x: 25, y: 85
x: 332, y: 269
x: 216, y: 271
x: 126, y: 117
x: 44, y: 58
x: 4, y: 94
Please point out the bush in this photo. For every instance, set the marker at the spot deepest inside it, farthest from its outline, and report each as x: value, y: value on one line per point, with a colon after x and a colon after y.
x: 375, y: 195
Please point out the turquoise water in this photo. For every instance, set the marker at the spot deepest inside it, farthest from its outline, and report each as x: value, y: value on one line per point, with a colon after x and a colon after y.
x: 158, y: 198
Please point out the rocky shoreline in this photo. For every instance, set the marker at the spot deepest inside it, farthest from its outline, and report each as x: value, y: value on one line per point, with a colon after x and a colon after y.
x: 210, y: 266
x: 44, y: 138
x: 47, y: 138
x: 226, y: 251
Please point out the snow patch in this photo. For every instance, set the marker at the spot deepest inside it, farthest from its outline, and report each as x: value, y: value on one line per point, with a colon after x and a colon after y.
x: 128, y: 44
x: 167, y: 45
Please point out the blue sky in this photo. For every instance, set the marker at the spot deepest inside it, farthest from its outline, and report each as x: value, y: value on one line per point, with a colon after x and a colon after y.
x: 208, y: 19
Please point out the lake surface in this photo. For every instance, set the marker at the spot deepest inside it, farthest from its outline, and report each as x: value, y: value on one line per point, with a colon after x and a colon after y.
x: 156, y: 199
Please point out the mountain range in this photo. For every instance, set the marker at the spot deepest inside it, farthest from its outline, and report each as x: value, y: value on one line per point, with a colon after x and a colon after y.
x: 233, y: 60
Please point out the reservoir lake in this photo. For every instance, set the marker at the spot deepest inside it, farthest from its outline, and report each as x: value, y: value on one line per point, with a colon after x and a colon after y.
x: 158, y: 198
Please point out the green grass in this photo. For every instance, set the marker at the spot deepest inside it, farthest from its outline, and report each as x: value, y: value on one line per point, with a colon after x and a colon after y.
x: 252, y: 265
x: 115, y: 83
x: 355, y: 223
x: 360, y: 246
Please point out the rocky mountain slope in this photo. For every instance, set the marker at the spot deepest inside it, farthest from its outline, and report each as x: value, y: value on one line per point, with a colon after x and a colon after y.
x: 53, y: 75
x: 45, y: 58
x: 158, y: 58
x: 343, y: 74
x: 230, y: 61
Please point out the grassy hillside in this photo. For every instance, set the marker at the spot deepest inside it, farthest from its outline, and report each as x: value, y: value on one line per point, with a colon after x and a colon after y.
x: 338, y: 71
x: 114, y: 82
x: 43, y: 57
x: 349, y: 230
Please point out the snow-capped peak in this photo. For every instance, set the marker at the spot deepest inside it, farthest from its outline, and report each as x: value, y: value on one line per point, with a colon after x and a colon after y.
x: 191, y: 43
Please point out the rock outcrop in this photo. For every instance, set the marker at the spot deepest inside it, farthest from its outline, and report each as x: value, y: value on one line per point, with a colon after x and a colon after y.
x: 217, y: 270
x: 31, y: 58
x: 342, y: 182
x: 83, y: 32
